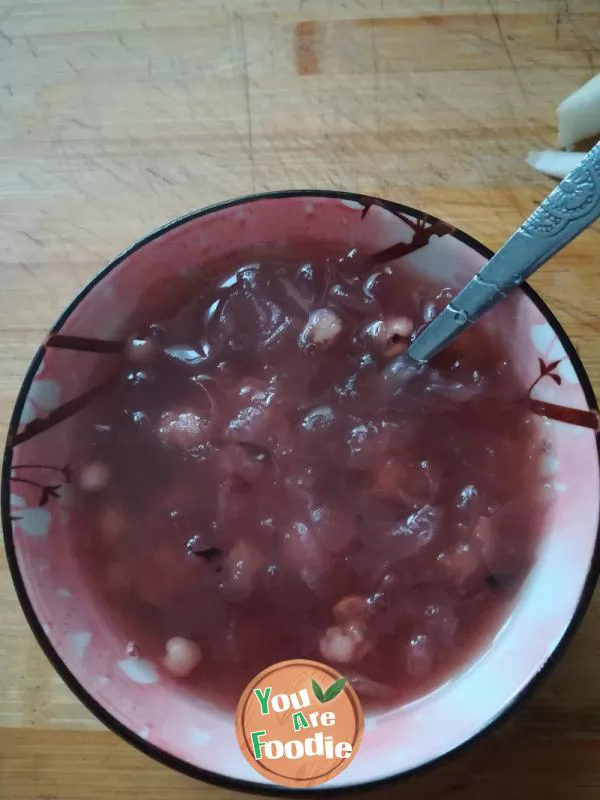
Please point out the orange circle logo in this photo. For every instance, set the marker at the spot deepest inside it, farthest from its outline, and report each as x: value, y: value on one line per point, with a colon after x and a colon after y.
x: 299, y: 723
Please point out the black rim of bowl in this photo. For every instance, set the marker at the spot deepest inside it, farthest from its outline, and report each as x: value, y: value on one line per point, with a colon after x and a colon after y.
x: 158, y: 754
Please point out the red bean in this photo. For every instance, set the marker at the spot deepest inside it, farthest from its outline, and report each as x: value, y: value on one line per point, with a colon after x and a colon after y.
x: 157, y: 574
x: 389, y: 477
x: 349, y: 608
x: 113, y: 524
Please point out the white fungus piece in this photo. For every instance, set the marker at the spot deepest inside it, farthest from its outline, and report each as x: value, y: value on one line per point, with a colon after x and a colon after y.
x: 185, y: 429
x: 182, y: 656
x: 322, y: 329
x: 303, y: 554
x: 554, y: 163
x: 344, y: 644
x: 579, y: 114
x: 94, y: 477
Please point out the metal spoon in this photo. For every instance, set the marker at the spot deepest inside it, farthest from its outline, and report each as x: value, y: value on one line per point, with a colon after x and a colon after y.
x: 569, y: 209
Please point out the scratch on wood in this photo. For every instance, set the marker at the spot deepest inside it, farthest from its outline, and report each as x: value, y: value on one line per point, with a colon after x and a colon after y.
x: 582, y: 40
x: 121, y: 41
x: 305, y: 51
x: 159, y: 175
x: 29, y: 271
x: 80, y: 124
x: 246, y: 80
x: 507, y: 49
x: 116, y: 175
x: 32, y: 238
x: 30, y: 47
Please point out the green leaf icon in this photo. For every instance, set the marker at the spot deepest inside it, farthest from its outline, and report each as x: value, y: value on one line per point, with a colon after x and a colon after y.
x: 334, y: 690
x: 318, y: 691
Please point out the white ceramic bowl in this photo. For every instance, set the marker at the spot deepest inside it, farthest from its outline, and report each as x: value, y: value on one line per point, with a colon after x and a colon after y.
x: 127, y: 693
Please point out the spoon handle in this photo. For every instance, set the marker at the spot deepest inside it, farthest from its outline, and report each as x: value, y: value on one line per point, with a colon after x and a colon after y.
x: 569, y: 209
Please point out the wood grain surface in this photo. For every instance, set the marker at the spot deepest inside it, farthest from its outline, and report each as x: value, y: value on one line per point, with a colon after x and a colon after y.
x: 118, y: 115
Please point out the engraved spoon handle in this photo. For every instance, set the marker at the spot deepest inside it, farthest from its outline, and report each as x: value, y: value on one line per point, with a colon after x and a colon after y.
x: 569, y: 208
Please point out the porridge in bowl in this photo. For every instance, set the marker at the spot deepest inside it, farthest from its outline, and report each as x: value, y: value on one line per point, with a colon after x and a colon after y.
x: 246, y: 494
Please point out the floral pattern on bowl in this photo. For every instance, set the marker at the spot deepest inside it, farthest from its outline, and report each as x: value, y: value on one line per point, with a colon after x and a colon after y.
x: 127, y: 692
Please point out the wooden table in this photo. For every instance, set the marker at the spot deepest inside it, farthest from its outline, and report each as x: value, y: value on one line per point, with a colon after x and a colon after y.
x: 117, y: 115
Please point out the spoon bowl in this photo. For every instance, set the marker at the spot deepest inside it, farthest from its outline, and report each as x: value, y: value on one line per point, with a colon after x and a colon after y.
x: 567, y: 211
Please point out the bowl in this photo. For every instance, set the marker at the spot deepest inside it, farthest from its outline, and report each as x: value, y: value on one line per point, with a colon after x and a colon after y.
x: 127, y: 693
